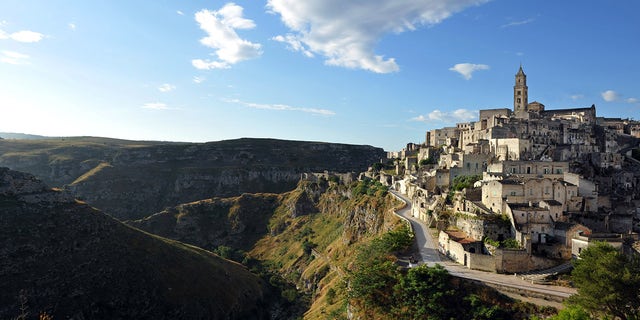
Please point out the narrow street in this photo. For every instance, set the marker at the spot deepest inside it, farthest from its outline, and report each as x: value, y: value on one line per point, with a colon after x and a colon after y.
x: 429, y: 255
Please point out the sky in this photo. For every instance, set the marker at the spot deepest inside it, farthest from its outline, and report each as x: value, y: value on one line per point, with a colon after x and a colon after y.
x: 371, y: 72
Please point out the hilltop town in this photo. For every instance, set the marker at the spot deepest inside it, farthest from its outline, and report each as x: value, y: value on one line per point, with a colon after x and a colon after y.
x: 526, y: 188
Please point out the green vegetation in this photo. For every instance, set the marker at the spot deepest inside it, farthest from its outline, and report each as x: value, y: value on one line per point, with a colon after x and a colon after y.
x: 379, y: 289
x: 463, y: 182
x: 428, y: 161
x: 509, y: 243
x: 369, y: 187
x: 608, y: 283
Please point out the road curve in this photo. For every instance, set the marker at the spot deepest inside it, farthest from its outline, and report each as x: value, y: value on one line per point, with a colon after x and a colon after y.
x: 430, y: 256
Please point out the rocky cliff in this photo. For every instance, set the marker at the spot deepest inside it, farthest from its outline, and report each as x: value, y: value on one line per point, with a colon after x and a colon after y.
x: 307, y: 237
x: 132, y: 179
x: 70, y: 261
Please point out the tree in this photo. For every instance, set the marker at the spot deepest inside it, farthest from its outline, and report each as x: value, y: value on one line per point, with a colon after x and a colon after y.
x: 572, y: 313
x: 424, y: 293
x: 608, y: 282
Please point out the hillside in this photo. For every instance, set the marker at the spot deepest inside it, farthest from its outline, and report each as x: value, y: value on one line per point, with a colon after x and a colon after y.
x: 132, y: 179
x: 69, y: 260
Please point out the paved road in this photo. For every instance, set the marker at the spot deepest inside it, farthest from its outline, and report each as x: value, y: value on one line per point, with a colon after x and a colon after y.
x: 430, y: 256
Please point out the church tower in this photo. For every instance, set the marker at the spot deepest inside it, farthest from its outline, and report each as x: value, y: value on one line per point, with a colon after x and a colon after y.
x: 520, y: 95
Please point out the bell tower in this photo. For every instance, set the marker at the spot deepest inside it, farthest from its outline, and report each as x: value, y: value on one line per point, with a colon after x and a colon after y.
x: 520, y: 95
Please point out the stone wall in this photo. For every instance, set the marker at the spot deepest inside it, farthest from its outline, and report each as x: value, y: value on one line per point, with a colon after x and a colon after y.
x: 482, y: 262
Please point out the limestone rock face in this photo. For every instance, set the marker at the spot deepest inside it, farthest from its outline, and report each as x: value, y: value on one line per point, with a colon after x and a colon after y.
x: 73, y: 262
x: 237, y: 222
x: 27, y: 188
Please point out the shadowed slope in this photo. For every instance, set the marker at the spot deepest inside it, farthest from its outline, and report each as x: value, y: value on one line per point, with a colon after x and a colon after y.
x: 70, y: 260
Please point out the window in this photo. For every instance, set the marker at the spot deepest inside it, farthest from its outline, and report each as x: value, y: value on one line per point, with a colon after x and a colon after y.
x: 513, y: 193
x: 546, y: 190
x: 519, y: 92
x: 518, y: 100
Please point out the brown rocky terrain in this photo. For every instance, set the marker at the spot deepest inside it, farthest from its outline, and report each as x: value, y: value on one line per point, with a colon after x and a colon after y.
x: 69, y: 260
x: 132, y: 179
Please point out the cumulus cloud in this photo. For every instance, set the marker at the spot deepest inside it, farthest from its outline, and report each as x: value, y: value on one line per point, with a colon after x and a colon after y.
x: 346, y: 32
x: 166, y: 87
x: 459, y: 115
x: 155, y: 106
x: 610, y: 96
x: 283, y: 107
x: 12, y: 57
x: 220, y: 27
x: 467, y: 69
x: 72, y: 26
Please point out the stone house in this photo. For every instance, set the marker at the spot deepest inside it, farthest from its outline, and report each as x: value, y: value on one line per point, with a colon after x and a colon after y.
x: 457, y: 245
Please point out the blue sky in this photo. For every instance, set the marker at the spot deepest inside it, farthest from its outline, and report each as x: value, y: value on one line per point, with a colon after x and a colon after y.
x: 363, y: 72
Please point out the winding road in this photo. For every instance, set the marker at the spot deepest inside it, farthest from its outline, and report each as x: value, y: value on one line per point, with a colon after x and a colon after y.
x: 427, y: 248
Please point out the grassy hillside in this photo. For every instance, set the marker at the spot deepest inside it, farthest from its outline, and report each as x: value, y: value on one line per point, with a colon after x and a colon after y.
x: 69, y: 260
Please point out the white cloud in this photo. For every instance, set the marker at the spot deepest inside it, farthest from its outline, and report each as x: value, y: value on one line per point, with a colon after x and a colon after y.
x: 12, y: 57
x: 155, y: 106
x: 459, y: 115
x: 180, y: 13
x: 72, y: 26
x: 199, y: 79
x: 26, y: 36
x: 220, y: 27
x: 294, y: 44
x: 346, y: 32
x: 166, y: 87
x: 283, y: 107
x: 467, y: 69
x: 517, y: 23
x: 632, y: 100
x: 610, y: 96
x: 577, y: 97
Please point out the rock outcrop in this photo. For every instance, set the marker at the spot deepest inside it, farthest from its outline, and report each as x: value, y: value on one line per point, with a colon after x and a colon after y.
x: 70, y: 261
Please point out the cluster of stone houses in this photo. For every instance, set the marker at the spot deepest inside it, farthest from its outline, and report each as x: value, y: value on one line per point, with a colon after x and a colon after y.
x: 549, y: 182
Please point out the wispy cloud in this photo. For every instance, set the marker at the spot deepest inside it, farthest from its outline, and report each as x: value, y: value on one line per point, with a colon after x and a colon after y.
x: 25, y: 36
x: 180, y: 13
x: 220, y: 27
x: 517, y: 23
x: 610, y: 96
x: 467, y: 69
x: 283, y: 107
x: 15, y: 58
x: 294, y: 44
x: 199, y: 79
x: 346, y: 33
x: 459, y: 115
x: 575, y: 97
x: 72, y: 26
x: 632, y: 100
x: 155, y: 106
x: 166, y: 87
